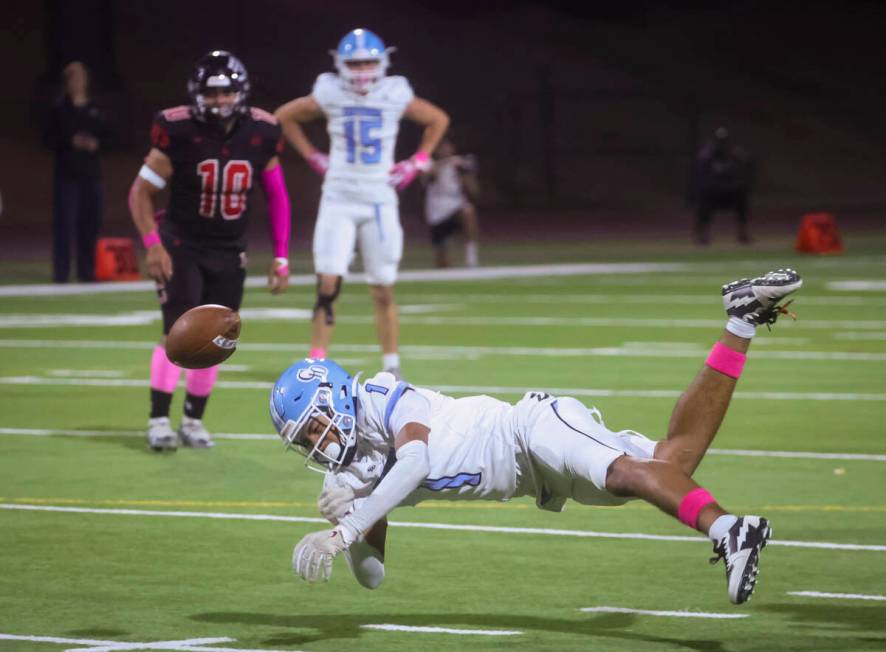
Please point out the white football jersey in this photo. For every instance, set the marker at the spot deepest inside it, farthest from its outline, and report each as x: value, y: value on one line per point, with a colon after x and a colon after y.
x: 472, y: 447
x: 362, y: 134
x: 444, y: 192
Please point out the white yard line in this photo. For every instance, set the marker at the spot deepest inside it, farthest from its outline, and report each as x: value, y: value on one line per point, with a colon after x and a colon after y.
x: 838, y: 596
x: 868, y: 457
x: 67, y: 432
x: 613, y: 322
x: 878, y: 285
x: 853, y: 336
x: 663, y: 614
x: 147, y: 317
x: 512, y: 271
x: 706, y: 299
x: 432, y: 526
x: 628, y: 349
x: 185, y: 645
x: 468, y: 389
x: 442, y: 630
x: 85, y: 373
x: 704, y: 270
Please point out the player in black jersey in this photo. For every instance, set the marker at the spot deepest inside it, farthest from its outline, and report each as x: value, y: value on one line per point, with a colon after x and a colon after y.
x: 209, y: 153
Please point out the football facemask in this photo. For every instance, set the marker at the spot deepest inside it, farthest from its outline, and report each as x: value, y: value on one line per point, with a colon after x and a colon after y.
x: 312, y: 391
x: 216, y: 74
x: 336, y: 443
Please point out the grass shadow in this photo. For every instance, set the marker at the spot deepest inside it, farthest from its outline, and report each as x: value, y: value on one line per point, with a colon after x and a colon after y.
x: 315, y: 628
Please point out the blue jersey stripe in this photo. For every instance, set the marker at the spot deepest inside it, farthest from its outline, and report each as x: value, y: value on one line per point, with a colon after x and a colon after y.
x: 392, y: 403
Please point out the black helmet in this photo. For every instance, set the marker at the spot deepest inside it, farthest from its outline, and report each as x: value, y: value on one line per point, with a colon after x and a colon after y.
x: 218, y: 70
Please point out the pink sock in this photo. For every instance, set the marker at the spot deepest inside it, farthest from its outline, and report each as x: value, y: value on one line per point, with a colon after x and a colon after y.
x: 201, y: 381
x: 164, y: 374
x: 317, y: 353
x: 692, y: 504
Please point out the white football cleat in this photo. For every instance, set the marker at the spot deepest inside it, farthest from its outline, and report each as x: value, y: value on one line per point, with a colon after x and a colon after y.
x: 740, y: 548
x: 161, y: 436
x: 755, y: 300
x: 193, y: 433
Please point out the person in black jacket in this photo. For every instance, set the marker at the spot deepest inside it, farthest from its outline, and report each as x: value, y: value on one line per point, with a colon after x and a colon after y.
x: 721, y: 181
x: 76, y: 131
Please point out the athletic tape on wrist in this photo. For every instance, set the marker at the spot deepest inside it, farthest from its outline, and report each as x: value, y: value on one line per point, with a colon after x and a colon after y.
x: 692, y: 504
x: 726, y: 361
x: 152, y: 177
x: 151, y: 239
x: 283, y: 269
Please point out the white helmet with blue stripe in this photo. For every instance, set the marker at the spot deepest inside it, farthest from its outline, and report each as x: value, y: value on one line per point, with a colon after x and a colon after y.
x: 322, y: 390
x: 361, y: 59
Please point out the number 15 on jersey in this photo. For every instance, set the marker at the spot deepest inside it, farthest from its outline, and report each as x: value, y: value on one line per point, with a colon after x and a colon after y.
x: 360, y: 124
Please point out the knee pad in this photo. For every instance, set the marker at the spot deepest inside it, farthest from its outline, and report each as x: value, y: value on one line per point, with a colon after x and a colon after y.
x: 324, y: 301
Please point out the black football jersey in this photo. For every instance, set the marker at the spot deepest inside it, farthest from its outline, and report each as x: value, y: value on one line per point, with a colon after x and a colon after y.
x: 214, y: 174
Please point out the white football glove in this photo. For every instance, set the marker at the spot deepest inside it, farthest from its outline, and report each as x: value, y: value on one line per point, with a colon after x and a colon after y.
x: 335, y: 502
x: 313, y: 555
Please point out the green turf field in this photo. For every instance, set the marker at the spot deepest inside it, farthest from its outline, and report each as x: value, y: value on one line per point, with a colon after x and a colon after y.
x: 103, y: 542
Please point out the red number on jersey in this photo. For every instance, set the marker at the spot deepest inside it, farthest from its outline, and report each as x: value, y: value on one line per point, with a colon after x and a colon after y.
x: 208, y: 171
x: 236, y: 180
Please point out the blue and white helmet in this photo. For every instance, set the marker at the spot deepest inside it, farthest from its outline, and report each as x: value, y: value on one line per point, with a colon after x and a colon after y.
x: 361, y: 45
x: 317, y: 388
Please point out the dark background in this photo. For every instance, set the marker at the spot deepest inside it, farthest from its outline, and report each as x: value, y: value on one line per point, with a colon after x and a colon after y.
x: 584, y: 120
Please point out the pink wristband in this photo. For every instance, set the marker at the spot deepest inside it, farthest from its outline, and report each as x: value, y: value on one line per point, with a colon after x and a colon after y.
x: 151, y: 239
x: 692, y: 504
x: 725, y: 360
x: 422, y: 160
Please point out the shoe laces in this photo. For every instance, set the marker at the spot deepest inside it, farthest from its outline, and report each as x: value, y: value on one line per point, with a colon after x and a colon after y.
x: 770, y: 315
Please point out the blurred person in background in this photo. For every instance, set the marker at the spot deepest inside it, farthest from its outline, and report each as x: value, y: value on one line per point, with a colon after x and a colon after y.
x: 212, y: 153
x: 77, y: 131
x: 721, y: 181
x: 451, y: 188
x: 363, y: 107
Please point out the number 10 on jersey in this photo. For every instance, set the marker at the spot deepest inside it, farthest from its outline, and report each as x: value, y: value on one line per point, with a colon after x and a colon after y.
x: 360, y: 123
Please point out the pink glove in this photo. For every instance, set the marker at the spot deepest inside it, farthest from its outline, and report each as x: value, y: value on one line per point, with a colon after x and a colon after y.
x: 404, y: 172
x: 319, y: 162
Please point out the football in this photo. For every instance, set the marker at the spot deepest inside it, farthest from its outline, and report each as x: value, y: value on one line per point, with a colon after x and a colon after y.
x: 203, y: 337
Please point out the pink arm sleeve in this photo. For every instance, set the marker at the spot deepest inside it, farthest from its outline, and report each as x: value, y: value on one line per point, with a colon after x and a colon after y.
x: 278, y: 209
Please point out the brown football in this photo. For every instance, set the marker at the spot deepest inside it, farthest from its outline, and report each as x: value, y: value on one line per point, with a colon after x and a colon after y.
x: 202, y: 337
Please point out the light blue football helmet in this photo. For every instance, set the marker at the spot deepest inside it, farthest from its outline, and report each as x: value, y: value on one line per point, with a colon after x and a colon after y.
x: 361, y: 45
x: 317, y: 388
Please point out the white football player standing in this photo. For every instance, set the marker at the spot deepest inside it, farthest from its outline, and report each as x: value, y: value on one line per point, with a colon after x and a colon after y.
x: 363, y: 107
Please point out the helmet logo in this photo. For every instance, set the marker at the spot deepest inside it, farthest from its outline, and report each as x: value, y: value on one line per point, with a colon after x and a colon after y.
x: 314, y: 372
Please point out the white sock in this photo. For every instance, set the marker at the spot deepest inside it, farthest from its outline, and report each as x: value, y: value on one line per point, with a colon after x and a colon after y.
x: 721, y: 526
x: 741, y: 328
x: 471, y: 255
x: 390, y: 360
